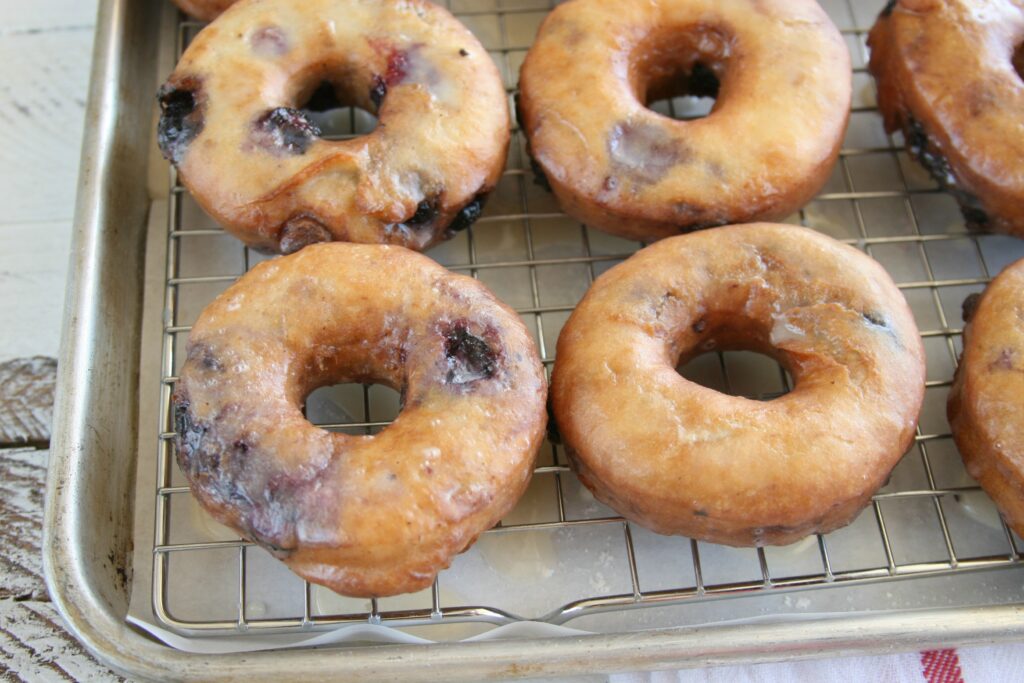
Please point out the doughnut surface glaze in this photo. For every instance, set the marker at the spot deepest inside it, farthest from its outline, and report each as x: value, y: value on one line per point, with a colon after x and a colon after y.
x: 679, y: 458
x: 254, y: 161
x: 986, y: 402
x: 781, y: 73
x: 363, y: 515
x: 949, y: 77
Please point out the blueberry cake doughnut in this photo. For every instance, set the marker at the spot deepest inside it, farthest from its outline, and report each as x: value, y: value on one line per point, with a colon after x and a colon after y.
x: 254, y: 161
x: 780, y: 73
x: 363, y: 515
x: 204, y: 10
x: 949, y: 78
x: 986, y: 402
x: 679, y: 458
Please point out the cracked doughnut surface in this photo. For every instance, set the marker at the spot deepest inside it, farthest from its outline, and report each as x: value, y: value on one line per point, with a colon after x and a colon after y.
x: 950, y: 78
x: 232, y: 123
x: 780, y: 72
x: 986, y: 402
x: 679, y: 458
x: 363, y: 515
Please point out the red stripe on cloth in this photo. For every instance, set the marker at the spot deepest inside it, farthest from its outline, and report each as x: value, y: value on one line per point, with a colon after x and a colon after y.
x: 941, y: 666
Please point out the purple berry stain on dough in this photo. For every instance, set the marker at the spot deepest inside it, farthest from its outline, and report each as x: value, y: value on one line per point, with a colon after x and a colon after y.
x: 269, y: 41
x: 643, y: 151
x: 181, y: 118
x: 1004, y: 361
x: 469, y: 214
x: 426, y: 212
x: 300, y: 232
x: 190, y: 436
x: 875, y: 319
x: 379, y: 91
x: 930, y: 155
x: 285, y: 131
x: 469, y: 357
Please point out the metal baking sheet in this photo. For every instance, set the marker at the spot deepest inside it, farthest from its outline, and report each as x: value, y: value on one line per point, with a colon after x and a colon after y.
x: 929, y: 562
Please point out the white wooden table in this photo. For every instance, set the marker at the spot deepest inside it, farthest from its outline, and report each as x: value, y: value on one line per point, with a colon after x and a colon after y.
x: 45, y: 51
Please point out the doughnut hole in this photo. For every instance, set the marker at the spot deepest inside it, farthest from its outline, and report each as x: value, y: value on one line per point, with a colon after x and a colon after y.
x: 338, y: 407
x: 735, y: 358
x: 679, y: 71
x: 335, y: 111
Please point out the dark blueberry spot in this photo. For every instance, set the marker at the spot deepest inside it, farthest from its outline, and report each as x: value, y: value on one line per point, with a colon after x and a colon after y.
x: 392, y: 476
x: 469, y: 357
x: 889, y: 7
x: 702, y: 81
x: 205, y: 356
x: 970, y: 306
x: 426, y: 212
x: 643, y: 151
x: 469, y: 214
x: 302, y: 231
x: 181, y: 120
x: 190, y: 437
x: 937, y: 165
x: 285, y: 130
x: 700, y: 513
x: 464, y: 52
x: 241, y: 446
x: 610, y: 183
x: 700, y: 325
x: 974, y: 217
x: 876, y: 319
x: 379, y: 91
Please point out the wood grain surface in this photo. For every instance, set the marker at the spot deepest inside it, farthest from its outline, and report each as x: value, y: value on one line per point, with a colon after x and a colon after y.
x: 34, y: 646
x: 26, y: 400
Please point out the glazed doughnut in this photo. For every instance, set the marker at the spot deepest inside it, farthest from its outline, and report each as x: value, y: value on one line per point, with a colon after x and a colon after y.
x: 258, y: 165
x: 204, y: 10
x: 362, y: 515
x: 679, y: 458
x: 986, y: 402
x: 949, y: 78
x: 781, y: 74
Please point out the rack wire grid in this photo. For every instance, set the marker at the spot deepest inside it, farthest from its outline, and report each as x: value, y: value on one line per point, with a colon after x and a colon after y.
x: 930, y: 519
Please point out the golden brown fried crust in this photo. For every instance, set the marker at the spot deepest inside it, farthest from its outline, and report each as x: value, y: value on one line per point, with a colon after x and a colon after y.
x: 258, y: 165
x: 364, y: 516
x: 204, y: 10
x: 947, y: 80
x: 986, y: 402
x: 767, y: 147
x: 680, y: 458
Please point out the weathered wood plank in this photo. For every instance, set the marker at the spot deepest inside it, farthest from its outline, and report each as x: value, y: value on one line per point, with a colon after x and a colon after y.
x: 26, y: 400
x: 34, y: 646
x: 22, y: 481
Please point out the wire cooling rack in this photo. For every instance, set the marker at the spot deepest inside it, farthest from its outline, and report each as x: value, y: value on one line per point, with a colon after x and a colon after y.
x: 930, y: 519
